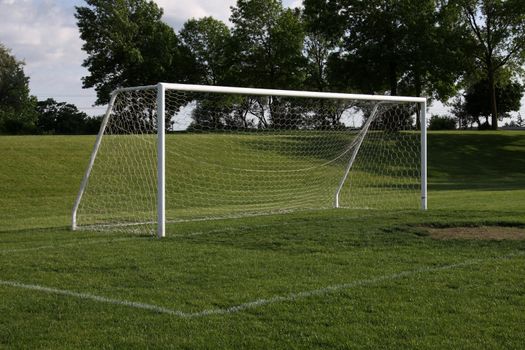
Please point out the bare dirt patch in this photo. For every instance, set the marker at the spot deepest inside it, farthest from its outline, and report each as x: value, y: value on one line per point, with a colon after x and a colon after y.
x: 497, y: 233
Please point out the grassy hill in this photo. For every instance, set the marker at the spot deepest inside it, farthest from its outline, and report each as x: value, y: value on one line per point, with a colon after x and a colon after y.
x: 316, y: 279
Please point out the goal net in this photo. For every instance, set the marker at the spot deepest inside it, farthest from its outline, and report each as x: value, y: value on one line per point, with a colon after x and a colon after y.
x: 173, y: 152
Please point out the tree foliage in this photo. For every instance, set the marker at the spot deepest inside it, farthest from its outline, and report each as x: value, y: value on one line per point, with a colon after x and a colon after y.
x: 17, y: 113
x: 497, y: 31
x: 128, y: 44
x: 207, y: 39
x: 267, y: 45
x: 323, y: 35
x: 475, y: 105
x: 64, y: 118
x: 438, y: 122
x: 508, y: 98
x: 266, y: 51
x: 428, y: 48
x: 396, y: 46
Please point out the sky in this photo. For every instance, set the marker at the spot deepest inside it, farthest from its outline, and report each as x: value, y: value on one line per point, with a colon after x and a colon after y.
x: 43, y: 33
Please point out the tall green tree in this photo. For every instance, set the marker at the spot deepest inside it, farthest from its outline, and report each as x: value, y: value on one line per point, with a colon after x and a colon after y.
x: 324, y: 31
x: 17, y: 106
x: 323, y: 35
x: 208, y: 39
x: 395, y: 46
x: 268, y: 42
x: 475, y: 105
x: 497, y: 29
x: 267, y: 51
x: 128, y: 44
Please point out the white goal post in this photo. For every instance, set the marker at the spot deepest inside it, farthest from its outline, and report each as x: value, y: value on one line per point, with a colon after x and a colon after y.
x: 176, y: 152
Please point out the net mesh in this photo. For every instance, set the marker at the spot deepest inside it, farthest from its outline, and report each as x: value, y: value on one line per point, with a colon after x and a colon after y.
x: 238, y: 155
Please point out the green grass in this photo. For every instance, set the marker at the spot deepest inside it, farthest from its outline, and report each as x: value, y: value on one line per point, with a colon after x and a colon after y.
x: 405, y: 289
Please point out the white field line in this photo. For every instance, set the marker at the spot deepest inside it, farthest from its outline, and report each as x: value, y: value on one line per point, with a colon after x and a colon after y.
x: 68, y: 244
x: 206, y: 218
x: 226, y: 229
x: 97, y: 298
x: 256, y: 303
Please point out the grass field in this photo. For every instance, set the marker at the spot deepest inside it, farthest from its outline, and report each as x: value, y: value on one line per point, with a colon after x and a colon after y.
x: 317, y: 279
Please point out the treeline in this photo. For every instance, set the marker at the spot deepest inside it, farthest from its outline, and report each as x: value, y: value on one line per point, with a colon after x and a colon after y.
x: 21, y: 113
x: 466, y: 53
x: 398, y: 47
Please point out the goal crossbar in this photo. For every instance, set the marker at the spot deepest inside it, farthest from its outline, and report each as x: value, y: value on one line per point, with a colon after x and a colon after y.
x: 274, y: 92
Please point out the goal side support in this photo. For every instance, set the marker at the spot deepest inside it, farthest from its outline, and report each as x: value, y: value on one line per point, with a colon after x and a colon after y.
x: 161, y: 160
x: 85, y: 179
x: 423, y: 123
x: 354, y: 154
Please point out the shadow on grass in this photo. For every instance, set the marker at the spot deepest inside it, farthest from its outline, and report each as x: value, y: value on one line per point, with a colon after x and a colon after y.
x: 477, y: 161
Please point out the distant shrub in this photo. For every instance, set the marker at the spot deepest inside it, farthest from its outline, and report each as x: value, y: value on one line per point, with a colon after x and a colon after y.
x: 92, y: 125
x: 63, y: 118
x: 16, y: 127
x: 438, y: 122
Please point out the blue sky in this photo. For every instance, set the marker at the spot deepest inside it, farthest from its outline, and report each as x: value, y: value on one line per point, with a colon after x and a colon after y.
x: 43, y: 33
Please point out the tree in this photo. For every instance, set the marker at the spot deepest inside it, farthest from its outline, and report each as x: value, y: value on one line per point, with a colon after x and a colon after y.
x: 92, y: 124
x: 395, y: 46
x: 475, y: 104
x: 322, y: 38
x: 508, y: 97
x: 17, y: 113
x: 267, y: 43
x: 465, y: 121
x: 409, y: 47
x: 497, y: 29
x: 128, y: 44
x: 207, y: 39
x: 62, y: 118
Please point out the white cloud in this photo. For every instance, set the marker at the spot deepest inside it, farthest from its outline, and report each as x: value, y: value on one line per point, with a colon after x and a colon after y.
x: 43, y: 33
x: 177, y: 12
x: 296, y: 3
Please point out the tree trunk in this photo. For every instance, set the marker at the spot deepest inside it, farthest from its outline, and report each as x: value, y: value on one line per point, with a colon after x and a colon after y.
x: 493, y: 102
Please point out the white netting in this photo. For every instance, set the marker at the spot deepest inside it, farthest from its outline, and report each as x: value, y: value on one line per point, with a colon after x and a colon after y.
x: 236, y: 155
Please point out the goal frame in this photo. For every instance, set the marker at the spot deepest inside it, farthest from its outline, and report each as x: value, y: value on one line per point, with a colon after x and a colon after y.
x: 161, y: 133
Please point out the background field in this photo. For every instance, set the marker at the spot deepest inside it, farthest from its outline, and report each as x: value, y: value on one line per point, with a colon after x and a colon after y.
x: 326, y: 279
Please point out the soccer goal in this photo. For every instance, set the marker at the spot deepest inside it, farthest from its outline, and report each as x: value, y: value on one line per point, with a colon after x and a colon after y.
x: 173, y: 152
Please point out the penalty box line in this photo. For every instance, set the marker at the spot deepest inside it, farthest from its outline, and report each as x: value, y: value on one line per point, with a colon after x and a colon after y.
x: 252, y: 304
x: 85, y: 241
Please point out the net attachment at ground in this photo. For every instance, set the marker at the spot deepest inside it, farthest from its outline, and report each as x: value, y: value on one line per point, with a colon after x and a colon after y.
x: 240, y: 154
